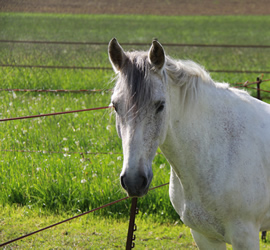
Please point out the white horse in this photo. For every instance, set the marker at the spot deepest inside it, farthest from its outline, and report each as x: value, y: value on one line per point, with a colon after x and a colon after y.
x: 216, y: 139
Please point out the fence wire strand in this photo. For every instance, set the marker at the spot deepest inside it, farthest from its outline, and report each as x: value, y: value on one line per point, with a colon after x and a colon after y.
x: 240, y: 84
x: 51, y: 114
x: 140, y: 44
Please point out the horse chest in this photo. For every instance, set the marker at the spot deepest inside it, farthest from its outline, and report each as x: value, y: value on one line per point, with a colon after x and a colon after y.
x: 197, y: 218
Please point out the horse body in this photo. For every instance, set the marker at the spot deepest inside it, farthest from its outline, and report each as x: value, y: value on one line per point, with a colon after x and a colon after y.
x: 215, y: 138
x: 219, y: 153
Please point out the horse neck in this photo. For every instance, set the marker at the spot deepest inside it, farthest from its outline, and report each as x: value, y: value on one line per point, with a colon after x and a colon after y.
x: 188, y: 128
x: 190, y: 100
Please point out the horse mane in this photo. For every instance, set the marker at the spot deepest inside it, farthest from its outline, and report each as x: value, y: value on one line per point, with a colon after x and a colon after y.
x: 192, y: 77
x: 188, y: 75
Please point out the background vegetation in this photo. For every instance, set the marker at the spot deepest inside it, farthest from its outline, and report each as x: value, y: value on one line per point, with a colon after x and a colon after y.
x: 66, y: 176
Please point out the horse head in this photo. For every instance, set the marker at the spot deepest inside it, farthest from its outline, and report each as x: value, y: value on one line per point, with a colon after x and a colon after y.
x: 141, y: 105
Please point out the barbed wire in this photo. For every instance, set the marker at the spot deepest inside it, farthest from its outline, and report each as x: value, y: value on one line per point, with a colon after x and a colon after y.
x: 52, y: 114
x: 241, y: 84
x: 267, y: 91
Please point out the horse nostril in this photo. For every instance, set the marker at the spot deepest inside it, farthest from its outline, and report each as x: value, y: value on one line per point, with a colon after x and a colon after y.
x: 137, y: 186
x: 123, y: 182
x: 144, y: 182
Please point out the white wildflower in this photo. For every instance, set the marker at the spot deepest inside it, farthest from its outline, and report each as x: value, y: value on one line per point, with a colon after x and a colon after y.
x: 162, y: 166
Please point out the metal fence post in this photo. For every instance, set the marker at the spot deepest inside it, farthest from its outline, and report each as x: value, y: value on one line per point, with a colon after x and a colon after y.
x: 132, y: 226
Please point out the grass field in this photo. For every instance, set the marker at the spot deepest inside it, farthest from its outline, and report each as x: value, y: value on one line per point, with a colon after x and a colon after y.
x: 46, y: 184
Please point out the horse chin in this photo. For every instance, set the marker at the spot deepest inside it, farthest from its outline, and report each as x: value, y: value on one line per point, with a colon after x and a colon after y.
x: 137, y: 194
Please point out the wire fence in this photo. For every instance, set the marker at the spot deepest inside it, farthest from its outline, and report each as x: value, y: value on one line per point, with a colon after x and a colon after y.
x: 130, y: 237
x: 96, y: 68
x: 246, y: 84
x: 74, y: 67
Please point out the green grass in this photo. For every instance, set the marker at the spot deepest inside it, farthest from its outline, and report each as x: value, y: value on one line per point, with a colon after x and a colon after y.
x: 88, y: 232
x: 130, y: 28
x: 91, y: 232
x: 47, y: 185
x: 101, y: 28
x: 93, y: 132
x: 64, y: 181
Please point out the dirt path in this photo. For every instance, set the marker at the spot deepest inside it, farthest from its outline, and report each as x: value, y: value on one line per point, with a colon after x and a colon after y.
x: 160, y: 7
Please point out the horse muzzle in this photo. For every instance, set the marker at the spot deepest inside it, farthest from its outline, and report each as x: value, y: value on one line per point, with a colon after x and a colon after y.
x: 137, y: 186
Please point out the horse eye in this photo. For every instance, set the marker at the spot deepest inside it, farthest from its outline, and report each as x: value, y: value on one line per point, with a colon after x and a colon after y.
x: 160, y: 106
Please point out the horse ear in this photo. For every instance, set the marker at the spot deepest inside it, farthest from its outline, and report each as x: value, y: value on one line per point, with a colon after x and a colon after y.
x: 116, y: 54
x: 157, y: 55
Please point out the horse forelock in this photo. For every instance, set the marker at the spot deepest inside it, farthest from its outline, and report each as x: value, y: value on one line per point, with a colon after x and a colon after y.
x: 134, y: 81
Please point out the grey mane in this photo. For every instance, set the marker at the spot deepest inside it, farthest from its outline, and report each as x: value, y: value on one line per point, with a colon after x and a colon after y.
x: 183, y: 71
x: 190, y: 77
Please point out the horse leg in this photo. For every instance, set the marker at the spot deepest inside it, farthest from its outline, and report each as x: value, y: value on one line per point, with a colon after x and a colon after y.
x: 244, y: 236
x: 204, y: 243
